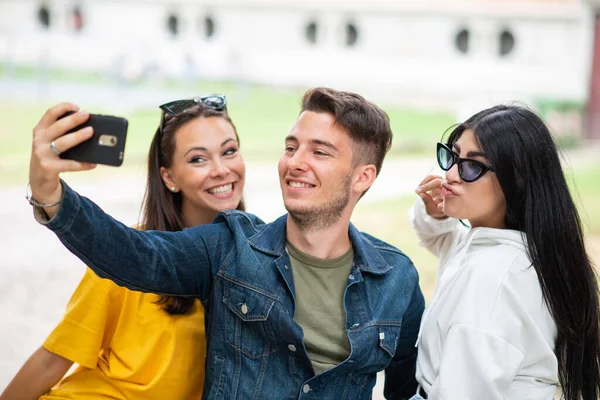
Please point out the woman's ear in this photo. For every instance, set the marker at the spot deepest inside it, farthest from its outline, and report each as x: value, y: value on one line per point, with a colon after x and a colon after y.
x: 167, y: 178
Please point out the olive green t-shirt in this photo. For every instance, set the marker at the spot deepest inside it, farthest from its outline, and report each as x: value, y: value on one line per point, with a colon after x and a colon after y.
x: 320, y: 285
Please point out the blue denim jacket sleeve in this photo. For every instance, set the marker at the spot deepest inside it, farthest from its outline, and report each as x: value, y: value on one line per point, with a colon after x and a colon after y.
x: 173, y: 263
x: 400, y: 382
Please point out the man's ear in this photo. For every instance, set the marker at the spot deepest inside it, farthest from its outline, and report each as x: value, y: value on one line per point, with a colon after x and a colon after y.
x: 167, y: 179
x: 364, y: 176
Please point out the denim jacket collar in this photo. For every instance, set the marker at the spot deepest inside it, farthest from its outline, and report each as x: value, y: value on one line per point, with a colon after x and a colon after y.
x: 271, y: 240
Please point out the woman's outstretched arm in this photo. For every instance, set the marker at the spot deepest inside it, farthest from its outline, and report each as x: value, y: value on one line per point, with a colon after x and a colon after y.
x: 37, y: 376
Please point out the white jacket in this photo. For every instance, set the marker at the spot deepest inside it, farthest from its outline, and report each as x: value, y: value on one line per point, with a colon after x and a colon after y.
x: 487, y: 333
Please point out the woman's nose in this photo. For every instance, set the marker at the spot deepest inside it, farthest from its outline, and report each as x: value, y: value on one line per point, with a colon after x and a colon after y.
x: 452, y: 175
x: 219, y: 169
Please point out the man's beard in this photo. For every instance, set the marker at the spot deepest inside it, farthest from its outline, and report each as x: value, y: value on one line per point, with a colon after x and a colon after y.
x: 321, y: 217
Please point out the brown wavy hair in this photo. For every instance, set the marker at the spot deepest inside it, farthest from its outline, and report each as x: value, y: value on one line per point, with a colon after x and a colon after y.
x: 367, y: 124
x: 161, y: 208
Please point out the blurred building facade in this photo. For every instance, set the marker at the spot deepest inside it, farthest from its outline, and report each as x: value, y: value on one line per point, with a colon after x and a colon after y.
x: 453, y: 54
x: 593, y: 108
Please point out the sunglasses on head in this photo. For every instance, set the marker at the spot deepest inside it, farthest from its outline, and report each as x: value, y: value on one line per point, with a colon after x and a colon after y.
x: 468, y: 169
x: 217, y: 102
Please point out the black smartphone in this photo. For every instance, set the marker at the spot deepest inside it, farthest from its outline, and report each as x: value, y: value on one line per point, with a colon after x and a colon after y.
x: 106, y: 146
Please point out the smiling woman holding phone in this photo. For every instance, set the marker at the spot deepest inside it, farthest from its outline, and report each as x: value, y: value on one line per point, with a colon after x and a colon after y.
x: 128, y: 344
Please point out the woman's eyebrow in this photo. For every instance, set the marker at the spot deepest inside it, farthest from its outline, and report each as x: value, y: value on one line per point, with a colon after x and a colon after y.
x: 195, y: 148
x: 227, y: 141
x: 475, y: 154
x: 469, y: 153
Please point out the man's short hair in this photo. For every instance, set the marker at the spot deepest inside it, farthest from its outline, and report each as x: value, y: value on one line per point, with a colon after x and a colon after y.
x: 367, y: 124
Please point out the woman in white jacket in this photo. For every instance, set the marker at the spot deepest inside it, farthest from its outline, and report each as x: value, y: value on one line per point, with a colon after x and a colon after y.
x: 515, y: 310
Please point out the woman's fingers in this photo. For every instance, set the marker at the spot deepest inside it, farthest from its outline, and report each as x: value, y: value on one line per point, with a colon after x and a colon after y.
x: 428, y: 200
x: 433, y: 206
x: 430, y: 183
x: 429, y: 178
x: 430, y: 192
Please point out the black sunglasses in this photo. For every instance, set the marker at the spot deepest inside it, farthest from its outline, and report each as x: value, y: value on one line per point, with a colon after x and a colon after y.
x: 217, y: 102
x: 468, y: 169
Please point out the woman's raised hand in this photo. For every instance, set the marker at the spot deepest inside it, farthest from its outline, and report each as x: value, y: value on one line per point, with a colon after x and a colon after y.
x: 430, y: 191
x: 48, y: 142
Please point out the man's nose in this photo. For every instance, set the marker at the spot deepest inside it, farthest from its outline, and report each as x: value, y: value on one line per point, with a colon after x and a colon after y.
x: 297, y: 161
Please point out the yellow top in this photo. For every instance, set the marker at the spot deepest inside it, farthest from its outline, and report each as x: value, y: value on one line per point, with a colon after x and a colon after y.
x: 126, y: 346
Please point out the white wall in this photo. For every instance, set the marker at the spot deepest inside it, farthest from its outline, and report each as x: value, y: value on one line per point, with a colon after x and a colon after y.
x: 405, y: 50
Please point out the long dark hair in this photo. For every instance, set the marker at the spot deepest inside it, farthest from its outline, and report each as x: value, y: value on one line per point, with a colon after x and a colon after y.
x: 161, y: 208
x: 525, y: 159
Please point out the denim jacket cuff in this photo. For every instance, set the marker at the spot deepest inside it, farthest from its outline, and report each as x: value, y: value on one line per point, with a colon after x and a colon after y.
x: 66, y: 213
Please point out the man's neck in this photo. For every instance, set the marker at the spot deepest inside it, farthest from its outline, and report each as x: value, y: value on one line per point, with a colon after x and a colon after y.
x: 330, y: 242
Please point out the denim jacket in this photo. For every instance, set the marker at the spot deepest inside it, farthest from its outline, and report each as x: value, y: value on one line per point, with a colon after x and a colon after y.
x: 239, y: 268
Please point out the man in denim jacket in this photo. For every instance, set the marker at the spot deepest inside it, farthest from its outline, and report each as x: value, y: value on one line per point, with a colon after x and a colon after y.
x: 305, y: 307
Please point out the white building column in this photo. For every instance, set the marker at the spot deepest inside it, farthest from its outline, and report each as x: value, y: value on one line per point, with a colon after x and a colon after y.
x: 592, y: 126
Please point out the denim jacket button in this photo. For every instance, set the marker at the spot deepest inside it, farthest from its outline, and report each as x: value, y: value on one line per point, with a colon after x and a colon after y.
x: 291, y: 347
x: 306, y: 388
x: 244, y: 309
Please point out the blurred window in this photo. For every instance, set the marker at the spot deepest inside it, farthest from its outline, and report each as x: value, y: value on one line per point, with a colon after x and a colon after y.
x: 507, y: 43
x: 311, y: 32
x: 173, y: 25
x: 208, y: 27
x: 461, y: 41
x: 351, y: 34
x: 43, y: 15
x: 77, y: 19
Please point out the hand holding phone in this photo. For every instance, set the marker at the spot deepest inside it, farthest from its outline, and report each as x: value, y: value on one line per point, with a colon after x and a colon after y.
x: 106, y: 146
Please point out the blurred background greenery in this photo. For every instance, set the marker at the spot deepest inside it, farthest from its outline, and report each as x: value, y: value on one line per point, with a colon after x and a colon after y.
x: 263, y: 115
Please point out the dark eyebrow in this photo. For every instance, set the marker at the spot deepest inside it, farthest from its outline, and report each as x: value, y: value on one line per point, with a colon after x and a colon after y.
x: 470, y: 153
x: 324, y: 143
x: 292, y: 138
x: 227, y: 141
x: 476, y: 154
x: 196, y: 148
x: 205, y: 149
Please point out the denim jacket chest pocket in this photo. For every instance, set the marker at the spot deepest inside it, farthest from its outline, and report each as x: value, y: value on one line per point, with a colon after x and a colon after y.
x: 254, y: 321
x: 382, y: 337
